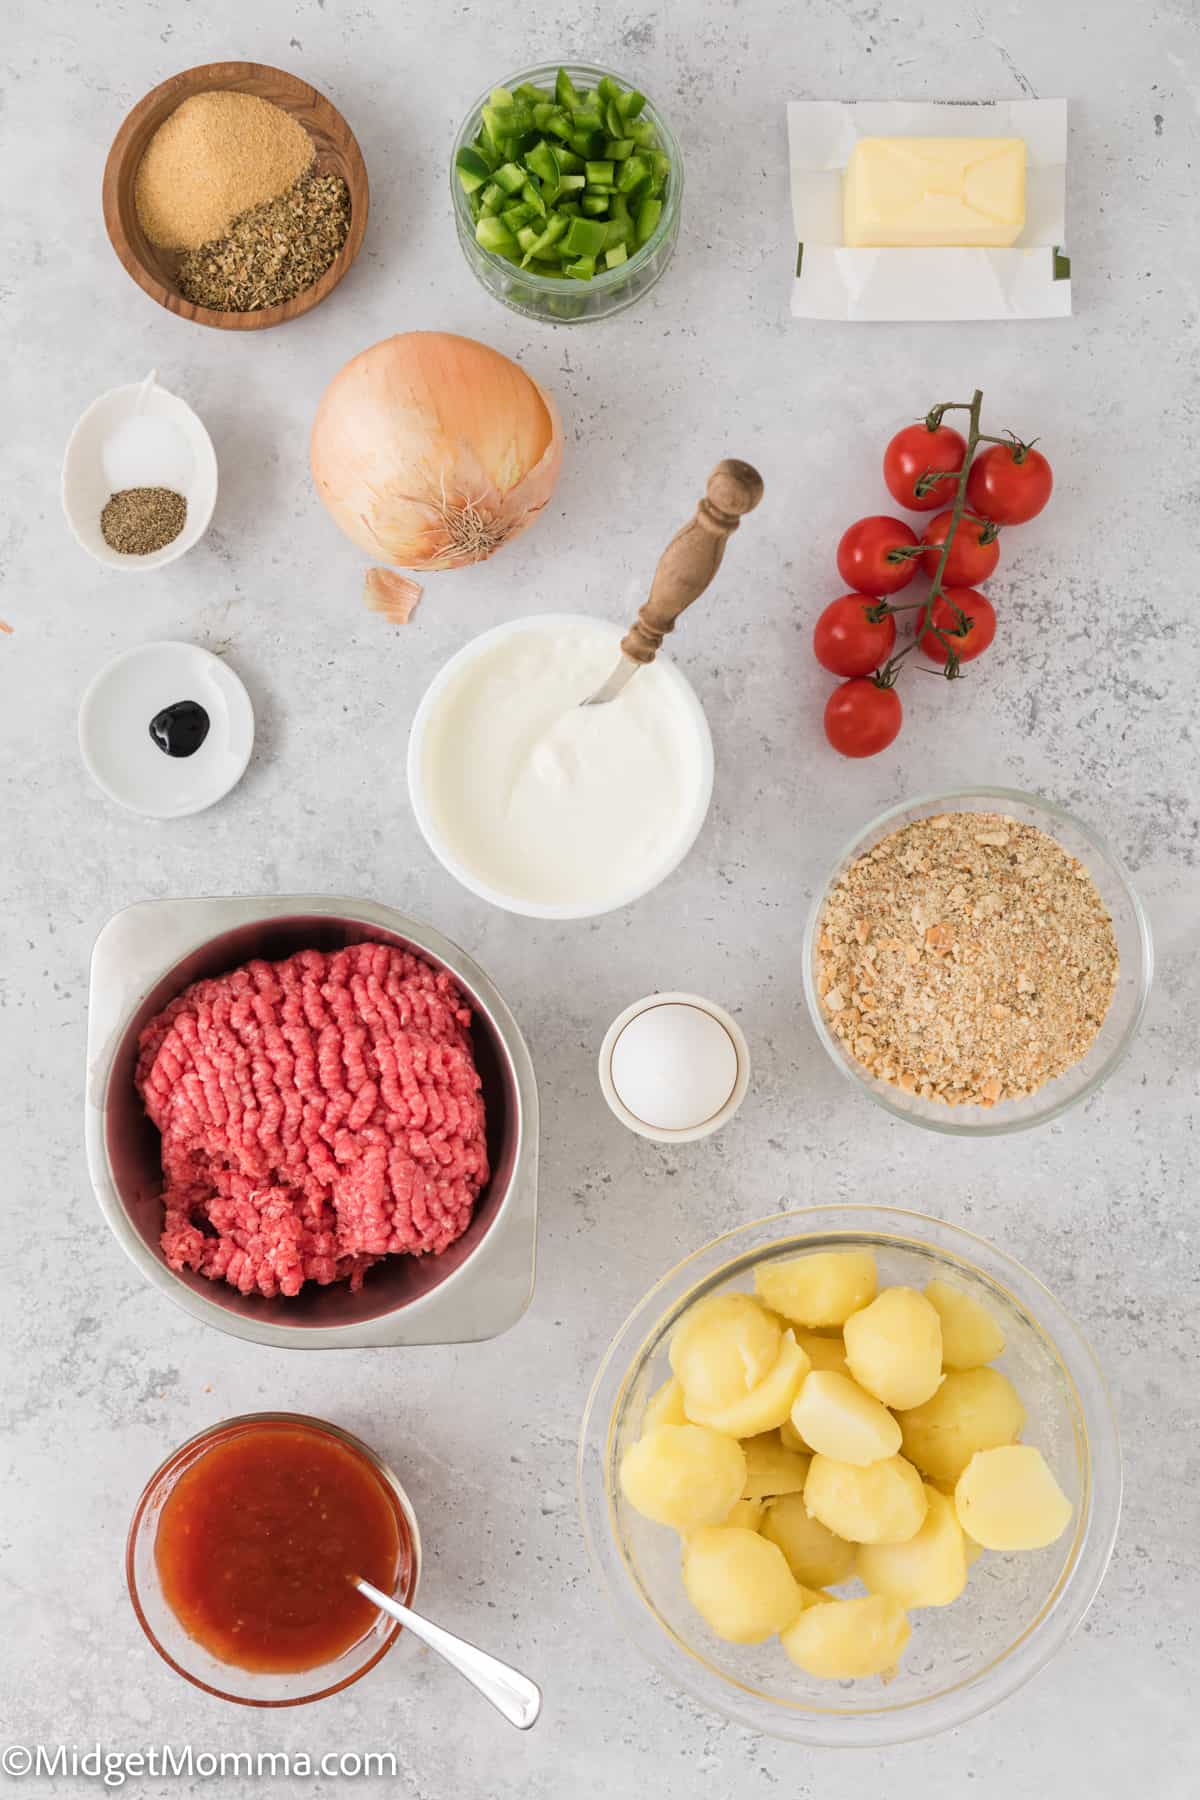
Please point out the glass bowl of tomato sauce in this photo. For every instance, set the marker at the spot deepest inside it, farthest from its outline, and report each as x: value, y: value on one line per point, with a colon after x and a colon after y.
x: 242, y: 1552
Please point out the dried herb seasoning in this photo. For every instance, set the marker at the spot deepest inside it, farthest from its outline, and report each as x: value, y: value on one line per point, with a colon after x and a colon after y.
x: 274, y: 251
x: 138, y: 521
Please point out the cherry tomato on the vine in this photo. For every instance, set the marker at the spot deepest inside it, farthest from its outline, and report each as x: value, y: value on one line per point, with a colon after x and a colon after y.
x: 1009, y: 483
x: 846, y: 642
x: 967, y: 644
x: 862, y: 718
x: 970, y: 561
x: 916, y: 451
x: 870, y: 556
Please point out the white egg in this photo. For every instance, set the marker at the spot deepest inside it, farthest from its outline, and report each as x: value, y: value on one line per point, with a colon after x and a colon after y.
x: 674, y: 1066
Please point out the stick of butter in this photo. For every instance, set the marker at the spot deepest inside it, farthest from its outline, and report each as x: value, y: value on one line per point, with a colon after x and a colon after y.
x: 926, y: 191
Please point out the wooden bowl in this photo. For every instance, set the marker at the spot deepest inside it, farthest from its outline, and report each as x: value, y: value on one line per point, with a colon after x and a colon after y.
x: 337, y: 153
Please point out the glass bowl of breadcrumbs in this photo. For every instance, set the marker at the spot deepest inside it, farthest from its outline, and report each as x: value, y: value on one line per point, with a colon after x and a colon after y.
x: 978, y: 961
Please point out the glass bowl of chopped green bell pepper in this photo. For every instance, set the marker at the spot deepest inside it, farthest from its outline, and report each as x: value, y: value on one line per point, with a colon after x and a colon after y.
x: 567, y: 184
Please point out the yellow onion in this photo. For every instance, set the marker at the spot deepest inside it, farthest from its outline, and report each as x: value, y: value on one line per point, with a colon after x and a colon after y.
x: 432, y: 450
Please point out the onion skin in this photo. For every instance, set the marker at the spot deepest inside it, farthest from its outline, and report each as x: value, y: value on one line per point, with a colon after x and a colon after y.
x: 392, y: 594
x: 431, y: 450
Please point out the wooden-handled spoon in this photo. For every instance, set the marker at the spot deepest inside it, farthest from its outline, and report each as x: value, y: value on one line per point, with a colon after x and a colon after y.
x: 685, y: 568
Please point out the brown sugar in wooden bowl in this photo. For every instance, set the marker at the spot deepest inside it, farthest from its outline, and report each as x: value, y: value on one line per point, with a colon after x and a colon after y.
x: 336, y: 150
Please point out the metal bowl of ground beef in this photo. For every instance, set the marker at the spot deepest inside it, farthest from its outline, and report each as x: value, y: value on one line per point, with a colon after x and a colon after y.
x: 312, y: 1121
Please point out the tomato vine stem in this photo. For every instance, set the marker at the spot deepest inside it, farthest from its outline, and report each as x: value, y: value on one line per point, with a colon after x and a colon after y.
x: 886, y: 677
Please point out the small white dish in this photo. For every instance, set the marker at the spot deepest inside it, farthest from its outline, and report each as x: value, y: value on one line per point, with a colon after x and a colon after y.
x: 641, y: 1014
x: 114, y: 730
x: 138, y: 436
x: 418, y: 774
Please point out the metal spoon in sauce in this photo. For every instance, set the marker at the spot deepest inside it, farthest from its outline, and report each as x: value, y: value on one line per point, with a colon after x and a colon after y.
x: 510, y: 1692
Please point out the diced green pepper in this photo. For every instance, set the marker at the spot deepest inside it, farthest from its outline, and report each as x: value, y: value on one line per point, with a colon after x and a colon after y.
x: 472, y: 170
x: 495, y: 236
x: 532, y: 194
x: 585, y: 237
x: 649, y: 213
x: 569, y: 183
x: 540, y: 161
x: 634, y: 169
x: 555, y: 228
x: 516, y: 216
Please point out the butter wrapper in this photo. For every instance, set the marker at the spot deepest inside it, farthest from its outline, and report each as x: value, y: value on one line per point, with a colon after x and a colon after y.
x: 1029, y: 280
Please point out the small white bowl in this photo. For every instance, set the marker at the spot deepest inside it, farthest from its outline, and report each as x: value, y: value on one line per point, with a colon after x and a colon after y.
x: 533, y: 909
x: 689, y: 1134
x: 138, y: 436
x: 114, y: 730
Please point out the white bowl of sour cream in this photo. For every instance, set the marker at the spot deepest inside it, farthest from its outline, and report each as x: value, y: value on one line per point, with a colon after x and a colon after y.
x: 546, y: 807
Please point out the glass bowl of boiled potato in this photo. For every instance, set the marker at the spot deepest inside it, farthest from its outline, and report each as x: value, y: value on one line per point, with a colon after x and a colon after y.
x: 849, y: 1475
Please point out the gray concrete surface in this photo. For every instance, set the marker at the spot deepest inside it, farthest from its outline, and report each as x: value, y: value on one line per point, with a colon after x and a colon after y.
x: 1088, y: 696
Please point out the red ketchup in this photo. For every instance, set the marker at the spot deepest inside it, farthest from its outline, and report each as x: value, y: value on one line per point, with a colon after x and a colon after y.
x: 259, y: 1541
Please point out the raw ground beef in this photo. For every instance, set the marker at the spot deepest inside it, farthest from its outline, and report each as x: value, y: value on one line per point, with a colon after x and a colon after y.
x: 316, y: 1114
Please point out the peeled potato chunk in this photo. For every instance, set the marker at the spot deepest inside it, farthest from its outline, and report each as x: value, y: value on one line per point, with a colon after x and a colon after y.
x: 766, y: 1406
x: 823, y: 1352
x: 974, y: 1409
x: 894, y: 1347
x: 665, y: 1406
x: 834, y: 1415
x: 822, y: 1288
x: 929, y: 1570
x: 683, y: 1475
x: 847, y: 1638
x: 771, y: 1470
x: 970, y: 1335
x: 748, y: 1514
x: 971, y: 1550
x: 881, y: 1504
x: 790, y: 1438
x: 722, y: 1349
x: 740, y: 1584
x: 1008, y: 1499
x: 815, y: 1556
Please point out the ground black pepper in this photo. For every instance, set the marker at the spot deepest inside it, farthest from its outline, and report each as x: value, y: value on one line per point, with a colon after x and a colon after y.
x: 140, y: 520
